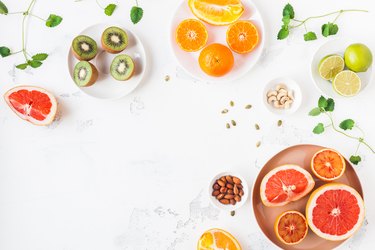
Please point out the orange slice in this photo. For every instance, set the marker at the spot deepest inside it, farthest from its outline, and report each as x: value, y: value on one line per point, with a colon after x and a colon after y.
x: 191, y: 35
x: 217, y: 12
x: 242, y: 37
x: 217, y: 239
x: 328, y: 164
x: 291, y: 227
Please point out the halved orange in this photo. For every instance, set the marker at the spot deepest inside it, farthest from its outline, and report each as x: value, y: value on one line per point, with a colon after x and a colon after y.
x: 191, y: 35
x: 217, y: 12
x: 328, y: 164
x: 242, y: 36
x: 217, y: 239
x: 291, y: 227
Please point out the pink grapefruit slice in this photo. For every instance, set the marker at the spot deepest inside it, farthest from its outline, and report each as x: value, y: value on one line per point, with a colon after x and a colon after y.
x: 335, y: 211
x: 33, y: 104
x: 285, y: 184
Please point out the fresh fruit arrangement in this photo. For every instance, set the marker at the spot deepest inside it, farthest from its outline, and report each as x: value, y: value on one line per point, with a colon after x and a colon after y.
x: 228, y: 190
x: 217, y: 239
x: 114, y: 40
x: 346, y: 82
x: 217, y: 59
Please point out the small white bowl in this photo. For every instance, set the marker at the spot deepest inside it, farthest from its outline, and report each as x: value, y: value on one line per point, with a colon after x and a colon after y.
x: 228, y: 207
x: 291, y: 85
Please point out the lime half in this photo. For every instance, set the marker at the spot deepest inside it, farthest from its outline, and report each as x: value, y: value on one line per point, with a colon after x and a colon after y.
x: 347, y: 83
x: 330, y: 66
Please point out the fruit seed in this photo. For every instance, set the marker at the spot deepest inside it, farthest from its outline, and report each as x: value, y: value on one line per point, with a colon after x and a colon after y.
x: 249, y: 106
x: 232, y: 213
x: 224, y: 111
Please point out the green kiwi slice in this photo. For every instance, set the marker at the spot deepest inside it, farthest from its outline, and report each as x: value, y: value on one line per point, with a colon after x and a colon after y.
x: 114, y: 40
x: 84, y: 48
x: 85, y: 74
x: 122, y: 67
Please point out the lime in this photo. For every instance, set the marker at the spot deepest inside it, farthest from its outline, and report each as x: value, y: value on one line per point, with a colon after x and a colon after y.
x: 330, y: 66
x: 358, y: 57
x: 347, y: 83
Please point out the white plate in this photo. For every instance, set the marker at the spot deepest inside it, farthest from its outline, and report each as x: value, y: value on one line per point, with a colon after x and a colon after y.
x: 106, y: 87
x: 217, y: 34
x: 334, y: 47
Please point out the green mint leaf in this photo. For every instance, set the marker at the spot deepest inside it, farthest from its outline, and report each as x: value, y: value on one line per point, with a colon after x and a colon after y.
x: 322, y: 103
x: 110, y: 9
x: 329, y: 29
x: 347, y: 124
x: 355, y: 159
x: 288, y: 11
x: 34, y: 64
x: 315, y: 112
x: 3, y: 8
x: 286, y: 21
x: 325, y: 30
x: 330, y: 105
x: 333, y: 29
x: 310, y: 36
x: 283, y: 33
x: 4, y: 51
x: 40, y: 57
x: 136, y: 14
x: 53, y: 20
x: 22, y: 66
x: 319, y: 128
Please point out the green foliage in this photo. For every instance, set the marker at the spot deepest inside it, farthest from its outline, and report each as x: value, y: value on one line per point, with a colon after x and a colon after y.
x: 136, y: 14
x: 53, y: 20
x: 355, y: 159
x: 347, y: 124
x: 3, y: 8
x: 4, y: 51
x: 318, y: 129
x: 110, y: 9
x: 329, y: 29
x: 310, y: 36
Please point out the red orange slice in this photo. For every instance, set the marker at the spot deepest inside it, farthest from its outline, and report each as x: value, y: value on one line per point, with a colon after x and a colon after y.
x: 291, y: 227
x: 328, y: 164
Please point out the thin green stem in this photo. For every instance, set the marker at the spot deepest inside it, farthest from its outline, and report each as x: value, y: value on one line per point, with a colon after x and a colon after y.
x: 363, y: 132
x: 339, y: 131
x: 136, y: 2
x: 26, y: 14
x: 356, y: 151
x: 337, y: 17
x: 14, y: 13
x: 97, y: 2
x: 44, y: 20
x: 17, y: 52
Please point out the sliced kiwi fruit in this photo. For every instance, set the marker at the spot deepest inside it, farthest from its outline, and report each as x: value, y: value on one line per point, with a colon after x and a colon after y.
x: 122, y: 67
x: 85, y: 74
x: 114, y: 40
x: 84, y: 48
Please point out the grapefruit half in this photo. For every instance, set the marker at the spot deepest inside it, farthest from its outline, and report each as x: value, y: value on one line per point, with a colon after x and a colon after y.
x: 285, y: 184
x: 291, y: 227
x: 328, y: 164
x: 335, y: 211
x: 33, y: 104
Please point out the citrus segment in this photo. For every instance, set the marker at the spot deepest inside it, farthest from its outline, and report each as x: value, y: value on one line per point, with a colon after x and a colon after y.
x: 217, y: 239
x: 328, y: 164
x: 216, y: 60
x: 330, y: 66
x: 291, y: 227
x: 335, y: 211
x: 217, y: 12
x: 347, y: 83
x: 32, y: 104
x: 285, y: 184
x: 191, y: 35
x: 242, y: 37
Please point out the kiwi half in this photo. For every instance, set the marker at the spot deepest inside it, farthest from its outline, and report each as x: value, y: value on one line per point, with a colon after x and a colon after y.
x: 84, y: 48
x: 114, y: 40
x: 85, y: 74
x: 122, y: 67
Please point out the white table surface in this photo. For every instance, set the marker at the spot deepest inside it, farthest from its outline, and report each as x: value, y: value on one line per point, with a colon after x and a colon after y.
x: 133, y: 173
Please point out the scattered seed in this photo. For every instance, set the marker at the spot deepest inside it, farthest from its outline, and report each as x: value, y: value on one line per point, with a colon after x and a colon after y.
x: 232, y: 213
x: 167, y: 78
x: 231, y: 103
x: 258, y: 144
x: 279, y: 123
x: 249, y: 106
x: 257, y: 126
x: 228, y: 125
x: 233, y: 122
x: 224, y: 111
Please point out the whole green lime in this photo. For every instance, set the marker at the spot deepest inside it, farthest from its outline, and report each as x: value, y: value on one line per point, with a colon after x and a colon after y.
x: 358, y: 57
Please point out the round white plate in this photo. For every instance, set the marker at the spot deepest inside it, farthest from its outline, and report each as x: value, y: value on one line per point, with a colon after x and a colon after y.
x: 107, y: 87
x: 329, y: 48
x: 217, y: 34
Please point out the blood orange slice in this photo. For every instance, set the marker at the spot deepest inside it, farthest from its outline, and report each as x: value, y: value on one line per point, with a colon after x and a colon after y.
x: 328, y: 164
x: 291, y: 227
x: 335, y: 211
x: 285, y: 184
x: 33, y: 104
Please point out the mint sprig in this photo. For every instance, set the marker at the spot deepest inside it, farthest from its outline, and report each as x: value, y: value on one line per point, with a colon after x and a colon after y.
x: 136, y: 12
x: 326, y: 107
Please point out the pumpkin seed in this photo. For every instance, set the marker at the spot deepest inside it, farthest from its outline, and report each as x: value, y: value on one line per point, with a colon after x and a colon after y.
x: 224, y: 111
x: 258, y: 144
x: 231, y: 103
x: 279, y: 123
x: 257, y: 126
x: 233, y: 122
x: 232, y: 213
x: 228, y: 125
x: 167, y: 78
x: 249, y: 106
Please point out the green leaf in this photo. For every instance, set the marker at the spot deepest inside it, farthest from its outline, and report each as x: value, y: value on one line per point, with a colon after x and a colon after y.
x: 329, y: 29
x: 355, y: 159
x: 319, y: 128
x: 322, y: 103
x: 330, y: 105
x: 34, y: 64
x: 4, y: 51
x: 310, y: 36
x: 315, y: 112
x: 53, y: 20
x: 40, y: 57
x: 286, y: 21
x: 283, y: 33
x: 347, y: 124
x: 22, y: 66
x: 288, y: 11
x: 110, y: 9
x: 136, y: 14
x: 3, y: 8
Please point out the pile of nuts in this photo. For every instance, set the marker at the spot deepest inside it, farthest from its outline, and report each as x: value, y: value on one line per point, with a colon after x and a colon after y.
x: 281, y: 97
x: 228, y: 190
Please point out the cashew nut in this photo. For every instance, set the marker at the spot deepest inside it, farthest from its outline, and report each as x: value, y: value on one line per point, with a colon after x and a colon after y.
x: 271, y: 93
x: 271, y: 99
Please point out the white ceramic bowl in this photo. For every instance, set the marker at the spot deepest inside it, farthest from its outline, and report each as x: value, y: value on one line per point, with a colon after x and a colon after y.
x: 291, y: 85
x: 228, y: 207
